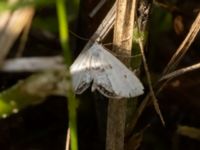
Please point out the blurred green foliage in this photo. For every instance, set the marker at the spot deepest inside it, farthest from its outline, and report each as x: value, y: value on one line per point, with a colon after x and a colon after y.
x: 13, y: 100
x: 4, y: 5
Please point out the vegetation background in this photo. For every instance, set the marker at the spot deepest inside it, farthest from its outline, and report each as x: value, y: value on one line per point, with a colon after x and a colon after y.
x: 44, y: 126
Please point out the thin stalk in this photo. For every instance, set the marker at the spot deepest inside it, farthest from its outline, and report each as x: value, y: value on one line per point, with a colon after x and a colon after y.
x: 64, y: 39
x: 63, y: 30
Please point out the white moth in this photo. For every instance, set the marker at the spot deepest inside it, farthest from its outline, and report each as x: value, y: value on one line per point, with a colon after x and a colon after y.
x: 104, y: 72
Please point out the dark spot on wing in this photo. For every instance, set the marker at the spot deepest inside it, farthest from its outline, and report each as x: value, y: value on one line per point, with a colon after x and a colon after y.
x: 109, y: 66
x: 96, y: 68
x: 100, y: 69
x: 106, y: 92
x: 83, y: 86
x: 95, y: 53
x: 125, y: 76
x: 129, y: 94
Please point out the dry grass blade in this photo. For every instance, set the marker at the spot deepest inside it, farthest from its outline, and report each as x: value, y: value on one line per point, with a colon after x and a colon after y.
x: 24, y: 38
x: 14, y: 26
x: 181, y: 72
x: 67, y: 139
x: 33, y: 64
x: 176, y: 58
x: 137, y: 115
x: 4, y: 19
x: 181, y: 51
x: 190, y: 132
x: 134, y: 142
x: 105, y: 26
x: 143, y: 12
x: 97, y: 8
x: 155, y: 102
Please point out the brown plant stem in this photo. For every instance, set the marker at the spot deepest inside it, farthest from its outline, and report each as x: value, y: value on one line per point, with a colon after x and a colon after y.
x: 122, y: 42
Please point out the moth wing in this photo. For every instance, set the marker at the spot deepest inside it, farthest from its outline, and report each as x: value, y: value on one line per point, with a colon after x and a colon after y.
x: 80, y: 72
x: 101, y: 80
x: 110, y: 77
x: 122, y: 81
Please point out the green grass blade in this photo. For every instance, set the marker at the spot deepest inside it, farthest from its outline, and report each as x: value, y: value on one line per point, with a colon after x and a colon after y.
x: 64, y: 39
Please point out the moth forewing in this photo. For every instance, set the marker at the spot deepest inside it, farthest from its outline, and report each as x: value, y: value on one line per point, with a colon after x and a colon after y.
x: 101, y: 80
x: 105, y: 72
x: 124, y: 82
x: 81, y: 77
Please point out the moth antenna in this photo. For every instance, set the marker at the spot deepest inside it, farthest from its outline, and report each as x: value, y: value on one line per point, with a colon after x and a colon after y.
x: 77, y: 36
